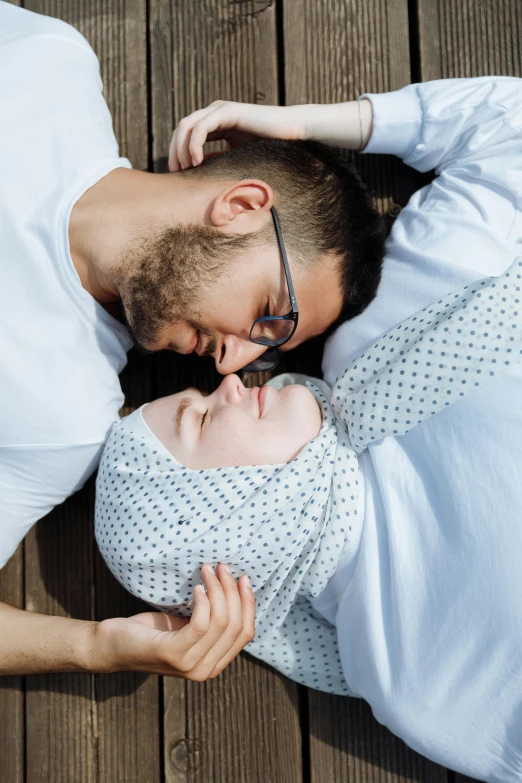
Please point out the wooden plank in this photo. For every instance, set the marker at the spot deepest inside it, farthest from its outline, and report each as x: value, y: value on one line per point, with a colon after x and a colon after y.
x: 347, y: 744
x: 128, y: 709
x: 60, y: 721
x: 244, y: 726
x: 12, y: 707
x: 176, y: 747
x: 204, y: 51
x: 335, y: 51
x: 116, y: 29
x: 460, y: 38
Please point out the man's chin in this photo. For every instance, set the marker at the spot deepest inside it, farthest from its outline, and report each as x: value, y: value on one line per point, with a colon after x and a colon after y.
x: 142, y: 344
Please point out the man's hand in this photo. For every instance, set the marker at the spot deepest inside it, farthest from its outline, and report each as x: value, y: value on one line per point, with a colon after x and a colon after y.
x: 198, y: 648
x: 339, y: 124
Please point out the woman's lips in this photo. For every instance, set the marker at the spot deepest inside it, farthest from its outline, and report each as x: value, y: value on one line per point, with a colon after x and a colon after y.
x: 255, y: 396
x: 263, y: 393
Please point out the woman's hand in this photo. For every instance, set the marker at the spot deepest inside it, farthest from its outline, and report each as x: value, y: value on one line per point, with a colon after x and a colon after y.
x: 340, y: 124
x: 196, y: 648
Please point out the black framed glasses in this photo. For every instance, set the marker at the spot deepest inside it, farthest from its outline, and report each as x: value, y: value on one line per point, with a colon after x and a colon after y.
x: 275, y: 330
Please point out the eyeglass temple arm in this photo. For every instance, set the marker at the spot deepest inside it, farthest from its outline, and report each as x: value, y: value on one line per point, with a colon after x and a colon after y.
x: 285, y: 260
x: 286, y: 265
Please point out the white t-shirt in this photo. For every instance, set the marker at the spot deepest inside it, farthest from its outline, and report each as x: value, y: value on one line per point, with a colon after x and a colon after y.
x: 430, y: 625
x: 60, y: 352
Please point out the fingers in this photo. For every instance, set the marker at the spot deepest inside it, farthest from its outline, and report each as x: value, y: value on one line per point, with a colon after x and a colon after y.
x: 248, y: 605
x: 224, y: 610
x: 228, y: 637
x: 222, y: 623
x: 188, y: 140
x: 237, y: 122
x: 179, y: 155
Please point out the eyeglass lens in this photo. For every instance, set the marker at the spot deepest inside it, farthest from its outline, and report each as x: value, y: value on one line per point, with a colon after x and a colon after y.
x: 267, y: 361
x: 272, y: 331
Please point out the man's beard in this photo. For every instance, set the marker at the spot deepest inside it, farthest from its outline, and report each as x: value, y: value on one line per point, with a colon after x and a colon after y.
x: 162, y: 277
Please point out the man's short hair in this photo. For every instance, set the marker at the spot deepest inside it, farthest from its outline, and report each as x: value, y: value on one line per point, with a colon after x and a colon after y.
x: 323, y: 207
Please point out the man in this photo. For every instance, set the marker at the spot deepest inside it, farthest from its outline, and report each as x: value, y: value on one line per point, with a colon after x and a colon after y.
x: 193, y: 260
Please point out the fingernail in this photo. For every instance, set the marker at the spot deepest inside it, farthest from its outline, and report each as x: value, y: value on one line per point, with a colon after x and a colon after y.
x: 194, y: 162
x: 227, y: 568
x: 246, y: 579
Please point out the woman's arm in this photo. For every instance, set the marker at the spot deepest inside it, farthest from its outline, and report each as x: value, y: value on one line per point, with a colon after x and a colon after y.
x: 347, y: 125
x: 198, y: 648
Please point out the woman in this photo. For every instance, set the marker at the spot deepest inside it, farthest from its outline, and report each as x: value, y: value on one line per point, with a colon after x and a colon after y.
x: 422, y: 620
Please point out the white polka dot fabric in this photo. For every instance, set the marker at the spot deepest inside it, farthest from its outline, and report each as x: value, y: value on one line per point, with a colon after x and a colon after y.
x: 432, y: 360
x: 287, y: 525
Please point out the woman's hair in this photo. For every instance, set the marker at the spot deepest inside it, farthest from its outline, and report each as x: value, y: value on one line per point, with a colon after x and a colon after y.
x: 323, y: 207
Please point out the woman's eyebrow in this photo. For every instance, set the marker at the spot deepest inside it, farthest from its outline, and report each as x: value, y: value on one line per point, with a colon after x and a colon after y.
x: 184, y: 403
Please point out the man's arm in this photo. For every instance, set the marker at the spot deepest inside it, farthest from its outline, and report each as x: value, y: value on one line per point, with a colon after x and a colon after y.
x: 197, y: 649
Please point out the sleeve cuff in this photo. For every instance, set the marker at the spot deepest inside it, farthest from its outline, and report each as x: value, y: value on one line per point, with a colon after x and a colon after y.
x: 397, y: 121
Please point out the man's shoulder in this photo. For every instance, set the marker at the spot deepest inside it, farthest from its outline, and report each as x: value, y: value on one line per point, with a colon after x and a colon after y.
x: 18, y: 24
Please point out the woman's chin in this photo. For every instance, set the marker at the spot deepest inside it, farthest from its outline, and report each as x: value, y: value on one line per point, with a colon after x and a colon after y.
x: 304, y: 407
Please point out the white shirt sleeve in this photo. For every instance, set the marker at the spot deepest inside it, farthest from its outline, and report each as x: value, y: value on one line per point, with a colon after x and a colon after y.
x: 448, y: 122
x: 35, y: 479
x: 465, y: 129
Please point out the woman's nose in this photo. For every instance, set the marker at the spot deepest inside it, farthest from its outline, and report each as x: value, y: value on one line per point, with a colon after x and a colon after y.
x: 231, y: 390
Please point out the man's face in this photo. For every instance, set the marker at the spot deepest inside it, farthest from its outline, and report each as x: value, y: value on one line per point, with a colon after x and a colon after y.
x: 185, y: 294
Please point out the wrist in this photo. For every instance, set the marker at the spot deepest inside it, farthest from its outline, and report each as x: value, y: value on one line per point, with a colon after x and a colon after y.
x: 347, y: 125
x: 85, y: 653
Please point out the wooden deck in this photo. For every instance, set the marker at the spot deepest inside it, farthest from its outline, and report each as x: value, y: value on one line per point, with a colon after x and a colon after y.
x: 161, y: 59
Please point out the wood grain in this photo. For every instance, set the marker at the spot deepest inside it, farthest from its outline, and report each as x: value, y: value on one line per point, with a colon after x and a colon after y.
x: 460, y: 38
x: 347, y: 744
x: 176, y: 752
x: 335, y: 51
x: 12, y: 696
x: 204, y: 51
x: 60, y: 708
x: 243, y: 727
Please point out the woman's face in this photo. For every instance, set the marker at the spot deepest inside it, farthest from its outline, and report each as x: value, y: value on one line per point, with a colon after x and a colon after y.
x: 234, y: 425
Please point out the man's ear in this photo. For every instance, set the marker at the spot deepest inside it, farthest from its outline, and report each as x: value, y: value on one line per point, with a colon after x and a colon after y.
x: 240, y: 200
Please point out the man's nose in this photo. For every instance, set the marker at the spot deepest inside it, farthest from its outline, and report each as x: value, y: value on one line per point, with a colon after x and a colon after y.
x: 237, y: 354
